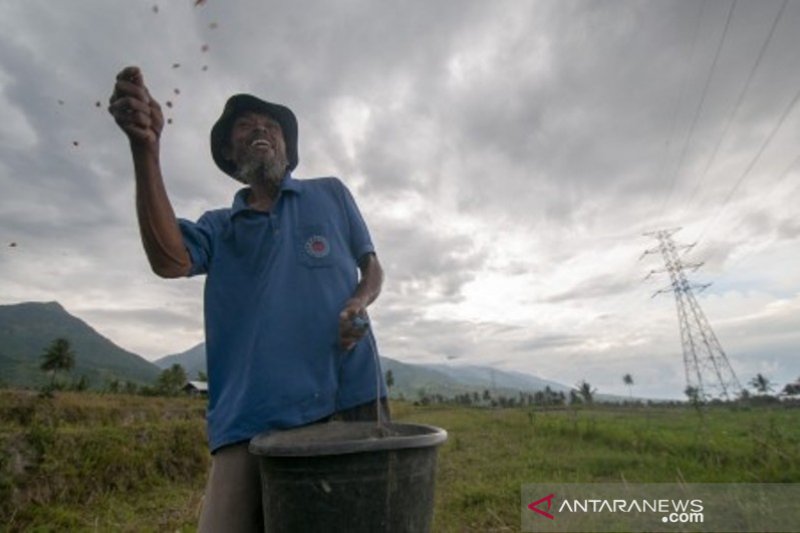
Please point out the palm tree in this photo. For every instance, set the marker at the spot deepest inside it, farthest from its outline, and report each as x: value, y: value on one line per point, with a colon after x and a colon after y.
x: 627, y: 379
x: 58, y: 356
x: 586, y: 391
x: 694, y: 395
x: 549, y: 395
x: 574, y: 397
x: 792, y: 389
x: 761, y: 384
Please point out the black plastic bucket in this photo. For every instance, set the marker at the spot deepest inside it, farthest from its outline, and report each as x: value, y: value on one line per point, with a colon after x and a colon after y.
x: 348, y: 477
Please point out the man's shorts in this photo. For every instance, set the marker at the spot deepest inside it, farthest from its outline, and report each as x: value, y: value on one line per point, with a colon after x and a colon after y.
x: 232, y: 500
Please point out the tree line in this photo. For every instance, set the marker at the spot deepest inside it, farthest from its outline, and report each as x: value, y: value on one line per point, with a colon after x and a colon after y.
x: 58, y: 360
x: 584, y: 393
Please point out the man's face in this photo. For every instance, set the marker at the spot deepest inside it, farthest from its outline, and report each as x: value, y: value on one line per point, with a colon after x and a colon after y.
x: 257, y: 140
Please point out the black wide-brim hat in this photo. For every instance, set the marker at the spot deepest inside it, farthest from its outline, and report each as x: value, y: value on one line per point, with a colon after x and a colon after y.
x: 241, y: 103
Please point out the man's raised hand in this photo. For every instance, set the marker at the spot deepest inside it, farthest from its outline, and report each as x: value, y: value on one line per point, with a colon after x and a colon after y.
x: 134, y: 110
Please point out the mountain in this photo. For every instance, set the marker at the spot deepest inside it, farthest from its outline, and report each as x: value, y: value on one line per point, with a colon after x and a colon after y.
x: 192, y: 360
x: 490, y: 378
x: 28, y: 329
x: 414, y: 380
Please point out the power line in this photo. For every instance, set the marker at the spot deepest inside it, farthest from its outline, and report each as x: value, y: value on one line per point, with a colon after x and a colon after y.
x: 781, y: 178
x: 739, y: 101
x: 752, y: 164
x: 700, y: 104
x: 680, y: 105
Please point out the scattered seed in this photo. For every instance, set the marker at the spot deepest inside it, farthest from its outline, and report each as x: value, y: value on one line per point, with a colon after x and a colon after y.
x: 212, y: 26
x: 169, y: 121
x: 61, y: 102
x: 169, y: 103
x: 176, y: 91
x: 199, y: 2
x: 176, y: 65
x: 205, y: 68
x: 155, y: 8
x: 97, y: 104
x: 204, y: 48
x: 12, y: 245
x: 75, y: 143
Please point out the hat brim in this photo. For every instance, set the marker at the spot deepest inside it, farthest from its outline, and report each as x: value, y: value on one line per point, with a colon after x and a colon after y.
x: 241, y: 103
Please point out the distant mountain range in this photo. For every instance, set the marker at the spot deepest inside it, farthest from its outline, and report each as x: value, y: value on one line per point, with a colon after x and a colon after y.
x: 192, y: 360
x: 414, y: 381
x: 410, y: 380
x: 27, y: 329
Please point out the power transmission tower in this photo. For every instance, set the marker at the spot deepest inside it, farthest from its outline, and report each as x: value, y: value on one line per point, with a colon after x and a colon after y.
x: 708, y: 372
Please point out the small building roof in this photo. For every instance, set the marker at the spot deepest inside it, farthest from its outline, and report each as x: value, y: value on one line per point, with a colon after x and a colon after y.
x: 200, y: 386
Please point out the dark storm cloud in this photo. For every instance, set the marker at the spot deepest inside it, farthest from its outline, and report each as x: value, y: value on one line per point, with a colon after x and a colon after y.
x: 344, y: 47
x: 586, y: 127
x: 55, y: 162
x: 603, y: 125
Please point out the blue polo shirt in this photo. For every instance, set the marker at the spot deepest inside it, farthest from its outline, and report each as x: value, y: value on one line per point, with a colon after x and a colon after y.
x: 275, y: 285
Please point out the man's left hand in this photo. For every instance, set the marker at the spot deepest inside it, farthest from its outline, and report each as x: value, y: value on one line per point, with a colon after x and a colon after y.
x: 350, y: 334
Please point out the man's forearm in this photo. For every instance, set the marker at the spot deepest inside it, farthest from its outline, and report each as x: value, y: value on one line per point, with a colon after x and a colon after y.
x: 367, y: 290
x: 161, y: 237
x: 371, y: 282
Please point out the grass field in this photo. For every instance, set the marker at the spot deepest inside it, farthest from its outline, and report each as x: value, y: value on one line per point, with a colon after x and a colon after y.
x: 491, y: 453
x: 125, y: 463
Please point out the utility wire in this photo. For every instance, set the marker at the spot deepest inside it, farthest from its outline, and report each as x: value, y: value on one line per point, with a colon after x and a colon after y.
x: 684, y: 84
x: 755, y: 159
x: 700, y: 104
x: 783, y: 176
x: 739, y: 101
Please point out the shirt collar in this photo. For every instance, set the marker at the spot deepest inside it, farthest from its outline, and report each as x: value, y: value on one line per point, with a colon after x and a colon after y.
x: 288, y: 184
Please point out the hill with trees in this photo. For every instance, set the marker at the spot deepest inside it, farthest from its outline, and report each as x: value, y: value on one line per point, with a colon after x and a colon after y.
x: 28, y: 330
x: 414, y: 381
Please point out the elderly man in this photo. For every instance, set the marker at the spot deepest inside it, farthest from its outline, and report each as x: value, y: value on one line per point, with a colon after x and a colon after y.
x: 284, y: 302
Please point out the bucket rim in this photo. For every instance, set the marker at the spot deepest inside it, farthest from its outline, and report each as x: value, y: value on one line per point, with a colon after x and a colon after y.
x: 324, y: 439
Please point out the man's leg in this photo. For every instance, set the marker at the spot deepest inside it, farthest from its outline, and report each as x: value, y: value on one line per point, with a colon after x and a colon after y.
x: 232, y: 500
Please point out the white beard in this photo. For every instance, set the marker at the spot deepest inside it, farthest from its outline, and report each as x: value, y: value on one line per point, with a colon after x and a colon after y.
x: 263, y: 173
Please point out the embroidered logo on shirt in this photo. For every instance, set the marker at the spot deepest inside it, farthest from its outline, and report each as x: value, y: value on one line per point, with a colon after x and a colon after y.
x: 317, y: 246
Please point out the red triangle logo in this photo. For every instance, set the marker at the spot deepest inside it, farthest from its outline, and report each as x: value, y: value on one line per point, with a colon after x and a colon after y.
x: 534, y: 506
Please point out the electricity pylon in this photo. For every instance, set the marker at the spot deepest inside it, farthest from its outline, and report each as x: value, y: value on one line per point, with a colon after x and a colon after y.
x: 708, y: 372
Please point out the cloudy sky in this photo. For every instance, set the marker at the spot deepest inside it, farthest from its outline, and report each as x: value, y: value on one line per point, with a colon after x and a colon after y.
x: 508, y: 157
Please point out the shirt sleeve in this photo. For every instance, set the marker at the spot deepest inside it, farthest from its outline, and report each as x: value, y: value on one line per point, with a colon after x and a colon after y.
x: 360, y: 240
x: 198, y: 240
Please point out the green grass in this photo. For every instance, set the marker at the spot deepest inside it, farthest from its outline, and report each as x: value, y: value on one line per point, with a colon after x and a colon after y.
x: 92, y: 462
x: 490, y: 454
x: 88, y: 462
x: 167, y: 507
